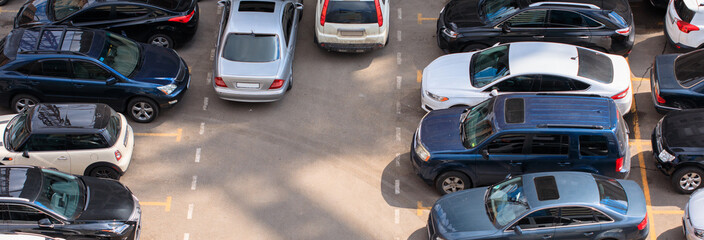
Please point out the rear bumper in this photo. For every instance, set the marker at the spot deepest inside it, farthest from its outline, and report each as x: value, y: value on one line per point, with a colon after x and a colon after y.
x: 251, y: 95
x: 350, y: 47
x: 332, y: 42
x: 676, y: 44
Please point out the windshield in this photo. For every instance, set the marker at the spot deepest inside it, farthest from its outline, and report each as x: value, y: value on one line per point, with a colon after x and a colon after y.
x: 251, y: 48
x: 506, y: 201
x: 495, y: 9
x: 61, y: 193
x: 489, y: 65
x: 64, y: 8
x: 477, y: 124
x: 120, y: 54
x: 351, y: 12
x: 16, y: 131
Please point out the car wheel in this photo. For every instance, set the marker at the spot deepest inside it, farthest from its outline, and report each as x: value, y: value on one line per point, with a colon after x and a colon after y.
x: 290, y: 84
x: 473, y: 47
x: 161, y: 40
x: 687, y: 179
x: 105, y: 172
x: 23, y: 102
x: 452, y: 181
x: 142, y: 110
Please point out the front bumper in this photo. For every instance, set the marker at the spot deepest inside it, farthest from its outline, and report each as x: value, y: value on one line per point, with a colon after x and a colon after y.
x: 421, y: 168
x: 666, y: 168
x: 168, y: 101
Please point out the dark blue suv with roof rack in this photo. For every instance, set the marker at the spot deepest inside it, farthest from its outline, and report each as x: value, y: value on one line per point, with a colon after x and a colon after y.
x: 459, y: 148
x: 65, y: 64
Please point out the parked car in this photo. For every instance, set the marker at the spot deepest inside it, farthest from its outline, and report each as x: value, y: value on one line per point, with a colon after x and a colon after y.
x: 693, y: 219
x: 352, y: 25
x: 83, y: 139
x: 512, y: 134
x: 468, y: 78
x: 65, y: 64
x: 551, y: 205
x: 26, y: 236
x: 56, y: 204
x: 677, y: 150
x: 255, y: 50
x: 676, y: 81
x: 165, y: 23
x: 683, y: 22
x: 470, y: 25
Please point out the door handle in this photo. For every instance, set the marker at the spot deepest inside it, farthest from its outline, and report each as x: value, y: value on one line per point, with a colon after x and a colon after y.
x: 588, y: 233
x: 583, y: 36
x: 62, y: 158
x: 564, y: 163
x: 539, y: 36
x: 547, y: 236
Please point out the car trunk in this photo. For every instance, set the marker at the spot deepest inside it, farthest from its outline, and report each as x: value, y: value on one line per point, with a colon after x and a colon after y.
x: 248, y: 75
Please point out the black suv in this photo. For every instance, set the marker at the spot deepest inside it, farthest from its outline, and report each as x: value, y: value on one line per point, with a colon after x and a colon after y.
x: 166, y: 23
x: 57, y: 204
x: 678, y: 148
x: 469, y: 25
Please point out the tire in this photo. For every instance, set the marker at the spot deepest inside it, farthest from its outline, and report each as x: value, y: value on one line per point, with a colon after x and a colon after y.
x: 687, y: 179
x: 161, y: 40
x: 473, y: 47
x: 452, y: 181
x: 23, y: 102
x: 290, y: 84
x: 105, y: 172
x: 142, y: 110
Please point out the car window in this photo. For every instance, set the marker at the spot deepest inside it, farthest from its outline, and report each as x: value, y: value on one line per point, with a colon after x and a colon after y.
x: 286, y: 21
x: 497, y: 9
x: 113, y: 129
x: 689, y: 68
x: 61, y: 193
x: 579, y: 85
x: 351, y: 12
x: 593, y: 145
x: 53, y: 68
x: 611, y: 194
x: 27, y: 68
x: 553, y: 144
x: 570, y: 216
x: 683, y: 11
x: 489, y: 65
x: 4, y: 59
x: 529, y: 19
x: 507, y: 144
x: 506, y: 201
x: 93, y: 15
x: 522, y: 83
x: 251, y: 47
x: 563, y: 19
x: 64, y: 8
x: 77, y: 41
x: 20, y: 214
x: 477, y: 124
x: 4, y: 212
x: 130, y: 11
x: 539, y: 219
x: 46, y: 142
x: 600, y: 217
x: 88, y: 70
x: 550, y: 83
x: 594, y: 65
x: 86, y: 141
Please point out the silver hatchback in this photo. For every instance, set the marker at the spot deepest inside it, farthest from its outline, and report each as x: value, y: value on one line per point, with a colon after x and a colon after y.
x: 255, y: 49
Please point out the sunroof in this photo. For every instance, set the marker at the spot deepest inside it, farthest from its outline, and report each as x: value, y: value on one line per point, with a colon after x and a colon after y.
x: 515, y: 110
x: 256, y: 6
x: 546, y: 188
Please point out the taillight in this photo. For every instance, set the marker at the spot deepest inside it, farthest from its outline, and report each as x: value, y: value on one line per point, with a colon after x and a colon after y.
x: 624, y: 31
x: 278, y: 83
x: 643, y: 223
x: 219, y: 82
x: 619, y: 164
x: 685, y: 27
x: 323, y: 13
x: 183, y: 19
x: 621, y: 94
x: 657, y: 95
x: 118, y: 155
x: 379, y: 16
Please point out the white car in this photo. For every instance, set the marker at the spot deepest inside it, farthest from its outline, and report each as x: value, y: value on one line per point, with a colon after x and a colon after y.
x: 693, y: 219
x: 82, y: 139
x: 352, y: 25
x: 684, y: 23
x: 466, y: 79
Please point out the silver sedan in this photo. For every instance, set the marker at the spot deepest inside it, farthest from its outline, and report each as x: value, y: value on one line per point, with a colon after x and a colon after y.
x: 693, y: 220
x: 255, y: 49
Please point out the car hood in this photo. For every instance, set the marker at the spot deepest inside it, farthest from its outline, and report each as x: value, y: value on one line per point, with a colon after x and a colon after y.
x: 664, y: 71
x: 463, y: 213
x: 440, y: 130
x: 227, y: 68
x: 696, y: 209
x: 32, y: 13
x: 159, y: 65
x: 448, y: 74
x: 464, y: 13
x: 108, y: 200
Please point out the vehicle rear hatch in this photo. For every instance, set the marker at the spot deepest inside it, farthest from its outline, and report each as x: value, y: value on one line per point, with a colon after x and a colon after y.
x: 351, y: 21
x: 249, y: 61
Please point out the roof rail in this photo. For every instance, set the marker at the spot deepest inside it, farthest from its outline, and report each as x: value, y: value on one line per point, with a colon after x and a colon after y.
x: 53, y: 51
x: 566, y: 4
x: 570, y: 94
x: 549, y: 125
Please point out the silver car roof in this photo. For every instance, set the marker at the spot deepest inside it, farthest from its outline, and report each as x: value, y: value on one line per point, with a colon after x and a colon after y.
x: 255, y: 22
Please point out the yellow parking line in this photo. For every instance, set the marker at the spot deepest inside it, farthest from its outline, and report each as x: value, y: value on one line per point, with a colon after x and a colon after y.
x: 419, y: 75
x: 639, y: 79
x: 421, y: 18
x: 643, y: 174
x: 167, y: 204
x: 10, y: 11
x: 420, y: 208
x: 673, y: 212
x: 178, y: 134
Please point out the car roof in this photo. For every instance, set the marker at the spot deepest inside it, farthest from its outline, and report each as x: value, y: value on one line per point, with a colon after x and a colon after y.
x: 255, y: 21
x: 69, y: 118
x: 166, y: 4
x: 573, y: 188
x: 546, y: 111
x: 602, y: 4
x: 23, y: 182
x: 543, y: 58
x: 54, y: 40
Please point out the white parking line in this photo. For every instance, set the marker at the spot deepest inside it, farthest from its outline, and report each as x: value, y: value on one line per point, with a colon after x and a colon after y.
x: 398, y: 33
x: 397, y: 187
x: 398, y: 58
x: 397, y: 216
x: 186, y: 236
x: 398, y: 82
x: 190, y: 211
x: 398, y: 107
x: 209, y: 78
x: 212, y: 54
x: 198, y: 152
x: 205, y: 103
x: 398, y: 134
x: 193, y: 183
x: 398, y: 163
x: 202, y: 130
x: 400, y: 16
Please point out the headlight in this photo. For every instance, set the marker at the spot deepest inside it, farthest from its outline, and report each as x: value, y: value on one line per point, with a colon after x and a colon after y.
x: 117, y: 228
x: 167, y: 89
x: 420, y: 149
x: 699, y: 233
x: 666, y: 156
x: 449, y: 33
x: 436, y: 97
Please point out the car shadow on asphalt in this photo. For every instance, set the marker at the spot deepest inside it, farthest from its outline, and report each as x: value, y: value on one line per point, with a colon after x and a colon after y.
x: 674, y: 233
x: 402, y: 188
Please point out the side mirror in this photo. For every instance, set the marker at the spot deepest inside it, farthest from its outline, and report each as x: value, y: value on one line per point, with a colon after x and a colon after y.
x: 485, y: 154
x: 223, y: 3
x: 518, y: 230
x: 494, y: 92
x: 45, y: 223
x: 111, y: 81
x: 25, y: 153
x: 299, y: 6
x: 506, y: 27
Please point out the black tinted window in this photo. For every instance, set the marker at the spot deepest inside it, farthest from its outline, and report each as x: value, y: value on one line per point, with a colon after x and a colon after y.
x: 54, y: 68
x: 4, y: 212
x: 87, y: 70
x: 256, y: 6
x: 549, y: 83
x: 130, y: 11
x: 87, y: 141
x: 351, y: 12
x: 46, y: 142
x: 93, y: 15
x: 287, y: 22
x: 529, y: 19
x: 508, y: 144
x: 595, y: 66
x: 611, y: 194
x: 539, y: 219
x: 25, y: 215
x: 601, y: 217
x: 550, y: 144
x: 593, y: 145
x: 522, y: 83
x: 579, y: 85
x: 561, y: 19
x: 576, y: 216
x: 689, y: 68
x: 683, y: 11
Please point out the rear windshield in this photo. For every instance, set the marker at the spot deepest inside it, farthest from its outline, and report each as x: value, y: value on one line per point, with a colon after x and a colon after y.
x: 257, y: 6
x: 251, y: 48
x: 595, y: 66
x: 351, y: 12
x: 689, y: 68
x: 611, y: 194
x: 113, y: 128
x: 683, y: 11
x: 622, y: 135
x: 488, y: 65
x: 64, y: 8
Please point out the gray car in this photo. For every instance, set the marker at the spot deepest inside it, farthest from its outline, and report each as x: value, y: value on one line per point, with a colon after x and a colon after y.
x: 255, y: 49
x: 693, y: 220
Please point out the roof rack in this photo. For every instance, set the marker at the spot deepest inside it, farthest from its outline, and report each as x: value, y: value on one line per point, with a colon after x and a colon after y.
x: 570, y: 94
x: 566, y: 4
x: 549, y: 125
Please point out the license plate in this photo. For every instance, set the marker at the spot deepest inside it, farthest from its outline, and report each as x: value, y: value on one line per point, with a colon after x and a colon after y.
x: 247, y: 85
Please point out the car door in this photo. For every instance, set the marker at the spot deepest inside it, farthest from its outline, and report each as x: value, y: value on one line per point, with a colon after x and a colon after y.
x: 547, y: 152
x: 95, y: 17
x: 44, y: 150
x: 24, y: 218
x: 86, y: 149
x: 537, y: 225
x: 52, y: 78
x: 567, y: 27
x: 552, y: 83
x: 502, y: 156
x: 131, y: 20
x: 90, y: 82
x: 520, y: 83
x: 524, y: 26
x: 577, y: 223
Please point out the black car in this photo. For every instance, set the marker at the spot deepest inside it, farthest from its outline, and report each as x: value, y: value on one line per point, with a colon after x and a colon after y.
x: 66, y: 64
x: 678, y: 148
x: 469, y: 25
x: 676, y: 81
x: 166, y: 23
x: 56, y: 204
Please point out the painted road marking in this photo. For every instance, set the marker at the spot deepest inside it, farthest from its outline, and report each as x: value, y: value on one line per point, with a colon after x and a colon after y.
x: 209, y: 78
x: 399, y: 79
x: 643, y: 174
x: 398, y: 58
x: 421, y: 18
x: 420, y: 208
x: 398, y: 163
x: 10, y: 10
x: 398, y: 33
x: 197, y: 154
x: 398, y: 134
x: 212, y: 54
x: 205, y: 103
x: 190, y: 211
x: 167, y: 204
x: 397, y: 216
x: 633, y: 78
x: 202, y: 129
x: 186, y: 236
x: 419, y: 75
x: 193, y: 183
x: 398, y: 107
x: 672, y: 212
x: 397, y: 187
x: 400, y: 16
x: 178, y: 134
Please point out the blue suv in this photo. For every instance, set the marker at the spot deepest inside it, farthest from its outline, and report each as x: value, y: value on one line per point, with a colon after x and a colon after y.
x: 459, y: 148
x: 66, y: 64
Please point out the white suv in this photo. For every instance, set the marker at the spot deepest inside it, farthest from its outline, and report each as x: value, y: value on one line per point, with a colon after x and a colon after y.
x: 684, y: 22
x: 81, y: 139
x: 352, y: 25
